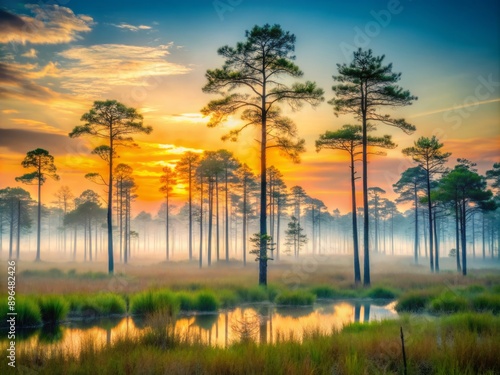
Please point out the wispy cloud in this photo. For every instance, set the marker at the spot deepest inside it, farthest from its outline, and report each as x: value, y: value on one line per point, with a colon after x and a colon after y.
x: 31, y: 53
x: 441, y: 110
x: 9, y: 111
x: 37, y: 125
x: 126, y: 26
x: 92, y: 70
x: 51, y: 24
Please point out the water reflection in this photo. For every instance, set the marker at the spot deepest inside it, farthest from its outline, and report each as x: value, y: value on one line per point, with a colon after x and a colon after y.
x: 261, y: 323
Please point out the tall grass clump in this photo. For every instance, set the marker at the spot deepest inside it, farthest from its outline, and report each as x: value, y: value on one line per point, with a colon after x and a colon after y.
x: 486, y: 302
x: 448, y: 303
x: 186, y: 301
x: 109, y: 304
x: 160, y: 330
x: 152, y: 301
x: 28, y: 313
x: 228, y: 298
x: 53, y: 308
x: 295, y: 298
x: 414, y: 301
x: 206, y: 301
x: 328, y: 292
x: 252, y: 294
x: 380, y: 292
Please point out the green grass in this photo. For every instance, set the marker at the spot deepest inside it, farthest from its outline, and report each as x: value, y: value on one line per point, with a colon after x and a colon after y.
x: 102, y: 304
x: 417, y: 301
x: 206, y: 301
x: 380, y: 292
x: 329, y: 292
x: 460, y: 344
x: 152, y: 301
x: 486, y: 302
x: 53, y: 308
x: 448, y: 303
x: 295, y: 298
x: 28, y: 313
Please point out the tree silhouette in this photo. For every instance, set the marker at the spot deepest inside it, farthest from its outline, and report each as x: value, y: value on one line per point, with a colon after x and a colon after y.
x: 365, y: 85
x: 409, y: 186
x: 186, y: 170
x: 294, y: 236
x: 43, y: 163
x: 374, y: 193
x: 169, y: 180
x: 349, y: 138
x: 255, y: 68
x: 14, y: 211
x: 113, y: 122
x: 467, y: 189
x: 427, y: 153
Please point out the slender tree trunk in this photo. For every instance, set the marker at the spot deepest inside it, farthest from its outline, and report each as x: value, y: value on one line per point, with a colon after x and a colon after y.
x: 366, y: 218
x: 18, y: 248
x: 482, y: 235
x: 415, y: 203
x: 74, y: 242
x: 278, y: 217
x: 110, y: 204
x: 436, y: 240
x: 167, y: 229
x: 39, y: 216
x: 429, y: 207
x: 263, y: 188
x: 90, y: 240
x: 201, y: 224
x: 244, y: 222
x: 464, y: 238
x: 357, y: 269
x: 217, y: 239
x: 473, y: 237
x: 227, y: 218
x: 11, y: 231
x: 190, y: 213
x: 457, y: 235
x: 119, y: 203
x: 210, y: 220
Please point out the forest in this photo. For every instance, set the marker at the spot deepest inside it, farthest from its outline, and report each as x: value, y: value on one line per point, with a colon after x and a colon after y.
x: 241, y: 269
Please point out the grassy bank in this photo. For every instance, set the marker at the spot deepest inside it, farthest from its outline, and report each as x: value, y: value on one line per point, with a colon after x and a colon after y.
x: 460, y: 344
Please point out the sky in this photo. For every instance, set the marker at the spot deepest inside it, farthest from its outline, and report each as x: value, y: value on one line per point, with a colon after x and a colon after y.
x: 58, y: 57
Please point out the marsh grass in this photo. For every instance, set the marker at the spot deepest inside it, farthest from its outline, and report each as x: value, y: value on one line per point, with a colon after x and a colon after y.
x: 206, y: 301
x: 295, y: 298
x: 154, y: 300
x: 28, y: 313
x: 53, y: 308
x: 329, y: 292
x: 459, y: 344
x: 380, y: 292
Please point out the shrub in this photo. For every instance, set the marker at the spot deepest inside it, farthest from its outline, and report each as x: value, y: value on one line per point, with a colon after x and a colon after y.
x: 295, y: 298
x: 53, y: 308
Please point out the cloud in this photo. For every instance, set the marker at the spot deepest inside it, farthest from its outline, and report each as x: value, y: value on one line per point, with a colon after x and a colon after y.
x: 9, y: 111
x: 21, y: 141
x: 94, y: 69
x: 37, y: 126
x: 17, y: 81
x: 51, y: 24
x: 31, y: 53
x: 129, y: 27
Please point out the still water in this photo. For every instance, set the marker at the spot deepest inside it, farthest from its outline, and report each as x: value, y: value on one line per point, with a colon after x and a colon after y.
x: 262, y: 322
